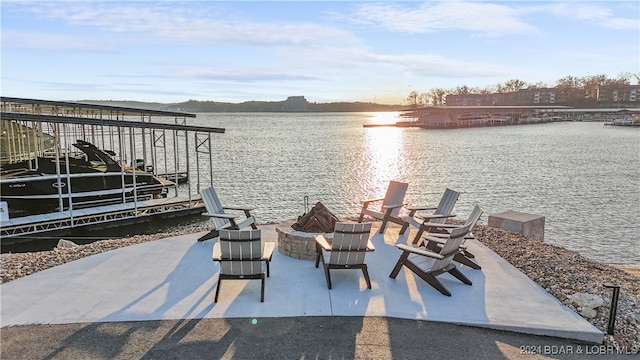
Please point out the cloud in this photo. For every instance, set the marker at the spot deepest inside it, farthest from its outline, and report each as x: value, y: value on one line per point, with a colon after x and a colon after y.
x: 49, y: 41
x: 593, y: 14
x: 488, y: 19
x: 246, y: 75
x: 188, y: 24
x: 484, y: 18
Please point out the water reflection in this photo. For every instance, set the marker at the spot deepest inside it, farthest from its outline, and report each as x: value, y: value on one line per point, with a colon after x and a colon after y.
x: 383, y: 118
x: 383, y: 155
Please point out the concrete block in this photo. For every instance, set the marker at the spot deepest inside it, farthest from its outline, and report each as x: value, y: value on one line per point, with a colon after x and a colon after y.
x: 529, y: 225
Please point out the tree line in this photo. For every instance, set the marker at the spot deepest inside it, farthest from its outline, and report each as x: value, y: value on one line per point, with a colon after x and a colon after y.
x: 587, y: 85
x: 277, y: 106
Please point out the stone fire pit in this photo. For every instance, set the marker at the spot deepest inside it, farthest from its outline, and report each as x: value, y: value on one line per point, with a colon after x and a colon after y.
x: 296, y: 238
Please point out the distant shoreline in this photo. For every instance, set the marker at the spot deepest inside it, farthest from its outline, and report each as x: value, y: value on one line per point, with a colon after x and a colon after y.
x: 193, y: 106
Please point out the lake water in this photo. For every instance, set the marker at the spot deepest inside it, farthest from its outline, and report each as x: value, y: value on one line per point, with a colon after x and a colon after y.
x: 583, y: 177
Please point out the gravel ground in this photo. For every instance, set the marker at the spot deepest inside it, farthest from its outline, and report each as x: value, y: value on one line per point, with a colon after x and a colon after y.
x: 561, y: 272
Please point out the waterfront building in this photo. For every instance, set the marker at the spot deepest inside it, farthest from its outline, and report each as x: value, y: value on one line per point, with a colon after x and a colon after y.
x: 625, y: 96
x: 295, y: 103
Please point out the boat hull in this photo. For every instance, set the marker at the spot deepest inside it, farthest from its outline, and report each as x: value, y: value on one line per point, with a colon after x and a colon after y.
x: 30, y: 195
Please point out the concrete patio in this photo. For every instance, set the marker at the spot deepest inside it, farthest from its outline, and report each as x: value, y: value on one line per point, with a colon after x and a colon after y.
x: 175, y: 278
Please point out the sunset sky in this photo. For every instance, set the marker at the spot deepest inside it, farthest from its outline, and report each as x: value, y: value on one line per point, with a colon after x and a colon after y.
x: 327, y: 51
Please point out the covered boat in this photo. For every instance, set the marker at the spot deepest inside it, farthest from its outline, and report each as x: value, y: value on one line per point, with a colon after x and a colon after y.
x: 92, y: 177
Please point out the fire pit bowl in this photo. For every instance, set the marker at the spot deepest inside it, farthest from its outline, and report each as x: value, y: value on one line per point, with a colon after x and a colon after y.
x: 296, y: 239
x: 296, y: 244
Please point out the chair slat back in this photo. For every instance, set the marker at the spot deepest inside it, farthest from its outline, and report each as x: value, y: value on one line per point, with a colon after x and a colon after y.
x: 474, y: 217
x: 445, y: 207
x: 452, y: 246
x: 396, y: 191
x: 241, y: 252
x: 213, y: 205
x: 349, y: 243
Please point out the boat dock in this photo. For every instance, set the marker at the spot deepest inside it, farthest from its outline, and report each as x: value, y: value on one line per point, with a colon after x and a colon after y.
x: 12, y: 230
x: 67, y: 165
x: 455, y: 117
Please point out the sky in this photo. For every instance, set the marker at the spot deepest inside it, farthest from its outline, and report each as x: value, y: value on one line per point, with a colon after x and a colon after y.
x: 327, y: 51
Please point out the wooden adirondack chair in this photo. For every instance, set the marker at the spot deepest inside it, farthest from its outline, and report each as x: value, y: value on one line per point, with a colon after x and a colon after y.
x: 438, y: 239
x: 428, y: 264
x: 346, y: 250
x: 242, y: 255
x: 390, y: 206
x: 439, y: 216
x: 220, y: 219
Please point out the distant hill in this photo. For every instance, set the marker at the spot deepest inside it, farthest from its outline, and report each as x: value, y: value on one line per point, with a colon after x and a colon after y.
x: 129, y: 104
x: 292, y: 104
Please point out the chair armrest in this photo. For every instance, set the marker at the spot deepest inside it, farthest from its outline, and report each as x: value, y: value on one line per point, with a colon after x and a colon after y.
x: 393, y: 206
x: 414, y: 209
x: 446, y: 236
x: 441, y: 239
x: 442, y: 225
x: 217, y: 253
x: 437, y: 239
x: 237, y: 208
x: 269, y: 246
x: 437, y: 216
x: 365, y: 203
x: 370, y: 246
x: 419, y: 251
x: 221, y: 216
x: 438, y: 235
x: 418, y: 208
x: 323, y: 242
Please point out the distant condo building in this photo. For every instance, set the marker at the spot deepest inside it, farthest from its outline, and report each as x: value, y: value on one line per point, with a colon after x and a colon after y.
x: 623, y: 95
x: 606, y: 96
x: 295, y: 103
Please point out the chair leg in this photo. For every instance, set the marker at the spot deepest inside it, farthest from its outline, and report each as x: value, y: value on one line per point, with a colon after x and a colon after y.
x: 327, y: 275
x: 433, y: 281
x: 262, y: 289
x: 385, y: 221
x: 418, y: 236
x: 459, y: 257
x: 468, y: 254
x: 401, y: 261
x: 428, y: 277
x: 318, y: 255
x: 268, y: 271
x: 405, y: 226
x: 215, y: 299
x: 210, y: 235
x: 433, y: 246
x: 366, y: 275
x: 383, y: 226
x: 460, y: 276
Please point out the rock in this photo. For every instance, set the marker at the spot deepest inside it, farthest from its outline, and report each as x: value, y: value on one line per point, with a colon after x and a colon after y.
x: 588, y: 313
x: 62, y: 243
x: 584, y: 300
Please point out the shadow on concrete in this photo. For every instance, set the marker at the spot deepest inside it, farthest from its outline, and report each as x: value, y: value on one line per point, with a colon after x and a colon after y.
x: 280, y: 338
